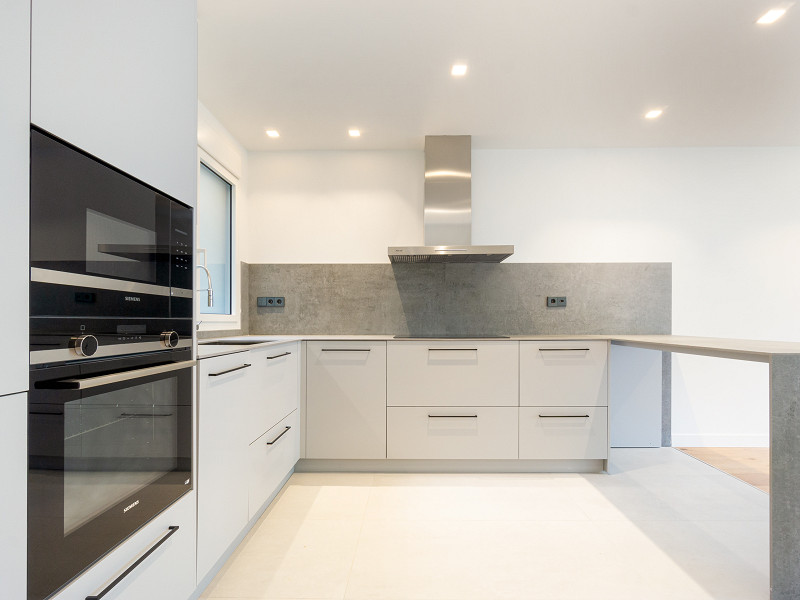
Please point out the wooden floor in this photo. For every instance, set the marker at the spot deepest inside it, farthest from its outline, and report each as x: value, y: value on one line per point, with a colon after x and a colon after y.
x: 751, y: 465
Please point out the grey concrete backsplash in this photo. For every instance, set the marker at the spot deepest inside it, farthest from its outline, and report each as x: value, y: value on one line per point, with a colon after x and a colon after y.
x: 487, y: 299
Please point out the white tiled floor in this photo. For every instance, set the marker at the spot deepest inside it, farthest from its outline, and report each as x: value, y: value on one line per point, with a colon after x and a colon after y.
x: 660, y: 525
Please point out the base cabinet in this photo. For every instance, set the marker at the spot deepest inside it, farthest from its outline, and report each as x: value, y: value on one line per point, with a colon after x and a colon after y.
x: 465, y: 432
x: 270, y: 459
x: 346, y: 400
x: 556, y: 432
x: 166, y: 574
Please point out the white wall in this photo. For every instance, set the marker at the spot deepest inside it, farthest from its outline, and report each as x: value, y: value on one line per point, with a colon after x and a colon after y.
x: 727, y: 218
x: 119, y: 80
x: 332, y: 207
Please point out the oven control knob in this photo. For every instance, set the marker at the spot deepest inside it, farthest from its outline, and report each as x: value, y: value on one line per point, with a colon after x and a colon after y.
x: 170, y: 339
x: 84, y: 345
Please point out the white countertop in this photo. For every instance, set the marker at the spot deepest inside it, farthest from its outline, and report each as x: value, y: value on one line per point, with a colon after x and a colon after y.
x: 751, y: 350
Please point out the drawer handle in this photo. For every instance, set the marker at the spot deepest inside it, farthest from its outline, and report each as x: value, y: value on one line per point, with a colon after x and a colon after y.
x: 452, y: 349
x: 452, y: 416
x: 563, y: 349
x: 564, y: 416
x: 244, y: 366
x: 278, y: 355
x: 345, y: 349
x: 280, y: 435
x: 109, y: 587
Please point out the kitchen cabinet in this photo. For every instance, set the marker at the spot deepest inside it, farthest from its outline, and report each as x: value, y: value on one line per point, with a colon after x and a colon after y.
x: 558, y: 432
x: 274, y: 386
x: 14, y: 169
x: 448, y: 373
x: 346, y: 399
x: 271, y: 458
x: 222, y: 470
x: 166, y: 574
x: 13, y: 499
x: 127, y: 93
x: 563, y: 400
x: 245, y: 401
x: 464, y: 432
x: 563, y: 373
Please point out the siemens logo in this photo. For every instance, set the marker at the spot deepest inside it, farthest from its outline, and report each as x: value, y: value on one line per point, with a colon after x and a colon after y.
x: 130, y: 506
x: 132, y: 299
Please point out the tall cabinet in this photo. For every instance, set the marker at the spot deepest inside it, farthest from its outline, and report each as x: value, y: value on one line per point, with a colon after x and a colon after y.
x: 14, y: 127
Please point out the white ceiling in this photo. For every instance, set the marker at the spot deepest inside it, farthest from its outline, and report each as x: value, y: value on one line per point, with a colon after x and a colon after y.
x: 542, y: 73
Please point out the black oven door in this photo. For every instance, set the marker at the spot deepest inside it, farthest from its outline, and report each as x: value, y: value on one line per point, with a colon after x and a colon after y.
x: 109, y: 447
x: 102, y: 242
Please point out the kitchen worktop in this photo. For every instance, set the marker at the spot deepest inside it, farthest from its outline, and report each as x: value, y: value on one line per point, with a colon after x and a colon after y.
x: 751, y: 350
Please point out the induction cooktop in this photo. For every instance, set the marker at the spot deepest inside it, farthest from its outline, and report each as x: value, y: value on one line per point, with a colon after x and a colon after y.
x: 459, y: 336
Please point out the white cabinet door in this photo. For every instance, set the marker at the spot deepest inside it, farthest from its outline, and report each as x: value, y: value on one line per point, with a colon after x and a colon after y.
x: 13, y: 498
x: 346, y: 400
x: 445, y: 373
x: 222, y: 479
x: 568, y: 373
x: 271, y: 458
x: 119, y: 80
x: 452, y: 432
x: 166, y: 574
x: 274, y: 392
x: 559, y: 432
x: 14, y: 191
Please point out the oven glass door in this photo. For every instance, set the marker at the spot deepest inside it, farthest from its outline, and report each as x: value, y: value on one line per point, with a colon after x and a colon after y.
x: 90, y: 220
x: 107, y: 452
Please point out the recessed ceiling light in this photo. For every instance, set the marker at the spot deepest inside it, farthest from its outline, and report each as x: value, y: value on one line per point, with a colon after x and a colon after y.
x: 273, y: 133
x: 772, y: 15
x: 458, y: 70
x: 654, y: 114
x: 354, y: 132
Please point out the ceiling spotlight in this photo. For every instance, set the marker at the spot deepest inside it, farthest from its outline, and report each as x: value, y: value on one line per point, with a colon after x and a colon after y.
x: 772, y: 15
x: 458, y: 70
x: 654, y: 114
x: 354, y: 132
x: 273, y: 133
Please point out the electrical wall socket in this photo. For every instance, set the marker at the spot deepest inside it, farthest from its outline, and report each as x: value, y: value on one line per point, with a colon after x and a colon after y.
x: 556, y: 301
x: 270, y: 301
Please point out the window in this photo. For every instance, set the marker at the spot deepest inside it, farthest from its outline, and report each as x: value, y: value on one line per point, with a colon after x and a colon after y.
x: 214, y: 240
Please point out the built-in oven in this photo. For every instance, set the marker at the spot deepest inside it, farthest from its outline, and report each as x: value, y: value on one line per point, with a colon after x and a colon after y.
x: 111, y: 258
x: 110, y: 446
x: 110, y: 401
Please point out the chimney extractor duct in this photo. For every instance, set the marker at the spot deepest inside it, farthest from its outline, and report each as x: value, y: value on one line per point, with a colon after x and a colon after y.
x: 448, y: 208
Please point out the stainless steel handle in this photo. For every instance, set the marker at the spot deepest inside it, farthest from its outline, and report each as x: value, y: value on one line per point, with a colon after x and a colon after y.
x: 564, y: 416
x: 452, y: 250
x: 563, y: 349
x: 280, y: 435
x: 153, y: 548
x: 244, y: 366
x: 278, y: 355
x: 100, y: 380
x: 345, y: 349
x: 452, y: 416
x: 452, y: 349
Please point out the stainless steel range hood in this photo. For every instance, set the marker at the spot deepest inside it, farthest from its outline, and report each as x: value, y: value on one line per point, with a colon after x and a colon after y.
x: 448, y: 208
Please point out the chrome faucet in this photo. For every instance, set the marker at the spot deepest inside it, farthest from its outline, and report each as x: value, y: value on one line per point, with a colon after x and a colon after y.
x: 210, y: 288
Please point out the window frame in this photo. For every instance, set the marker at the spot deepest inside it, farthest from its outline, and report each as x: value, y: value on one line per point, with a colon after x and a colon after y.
x: 210, y: 321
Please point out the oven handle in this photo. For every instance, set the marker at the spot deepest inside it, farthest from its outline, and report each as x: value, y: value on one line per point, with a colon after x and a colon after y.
x: 100, y: 380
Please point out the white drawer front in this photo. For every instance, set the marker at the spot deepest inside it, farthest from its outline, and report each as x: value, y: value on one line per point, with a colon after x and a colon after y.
x: 346, y: 400
x: 446, y: 373
x: 557, y: 432
x: 569, y: 373
x: 453, y: 432
x: 270, y: 458
x: 274, y: 391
